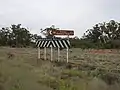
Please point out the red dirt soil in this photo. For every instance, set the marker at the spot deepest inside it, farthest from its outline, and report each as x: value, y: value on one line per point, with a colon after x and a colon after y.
x: 104, y: 51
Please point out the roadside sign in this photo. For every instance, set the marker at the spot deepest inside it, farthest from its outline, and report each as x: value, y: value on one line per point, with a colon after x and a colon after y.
x: 52, y: 43
x: 61, y: 32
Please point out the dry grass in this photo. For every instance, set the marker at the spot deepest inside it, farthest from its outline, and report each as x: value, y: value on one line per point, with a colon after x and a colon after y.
x: 20, y: 70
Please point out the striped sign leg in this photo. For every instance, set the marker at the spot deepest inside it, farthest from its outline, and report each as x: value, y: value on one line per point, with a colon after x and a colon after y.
x: 51, y: 53
x: 67, y: 55
x: 44, y: 53
x: 38, y: 45
x: 38, y: 52
x: 58, y: 54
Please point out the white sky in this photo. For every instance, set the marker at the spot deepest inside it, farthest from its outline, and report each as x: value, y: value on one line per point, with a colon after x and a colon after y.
x: 78, y: 15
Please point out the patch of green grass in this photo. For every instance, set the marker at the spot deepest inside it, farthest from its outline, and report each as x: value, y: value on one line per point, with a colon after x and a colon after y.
x: 49, y: 81
x: 73, y: 73
x: 57, y: 84
x: 105, y: 75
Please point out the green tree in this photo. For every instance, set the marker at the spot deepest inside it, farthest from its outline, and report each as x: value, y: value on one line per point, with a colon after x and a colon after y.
x: 5, y: 36
x: 104, y: 33
x: 35, y: 37
x: 47, y: 33
x: 20, y: 36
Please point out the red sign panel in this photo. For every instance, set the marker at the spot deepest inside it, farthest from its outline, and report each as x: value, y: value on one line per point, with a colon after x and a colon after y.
x: 62, y: 32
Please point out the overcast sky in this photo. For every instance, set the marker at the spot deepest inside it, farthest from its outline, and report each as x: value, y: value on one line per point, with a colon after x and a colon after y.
x: 78, y: 15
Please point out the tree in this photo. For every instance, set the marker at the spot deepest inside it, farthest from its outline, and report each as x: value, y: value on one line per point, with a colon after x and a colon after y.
x: 20, y: 35
x: 47, y: 31
x: 104, y: 33
x: 5, y: 36
x: 35, y: 37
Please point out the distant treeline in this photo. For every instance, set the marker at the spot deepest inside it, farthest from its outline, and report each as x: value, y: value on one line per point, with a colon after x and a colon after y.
x: 81, y: 43
x: 17, y: 36
x: 102, y: 35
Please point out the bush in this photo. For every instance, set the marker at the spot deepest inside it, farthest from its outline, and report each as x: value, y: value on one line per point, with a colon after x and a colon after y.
x: 108, y: 77
x: 73, y: 73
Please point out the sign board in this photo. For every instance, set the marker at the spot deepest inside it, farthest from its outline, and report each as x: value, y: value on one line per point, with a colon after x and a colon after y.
x: 59, y: 43
x: 61, y: 32
x: 52, y: 43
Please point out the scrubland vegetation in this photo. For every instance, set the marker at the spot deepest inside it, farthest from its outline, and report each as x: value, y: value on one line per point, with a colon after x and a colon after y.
x: 87, y: 70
